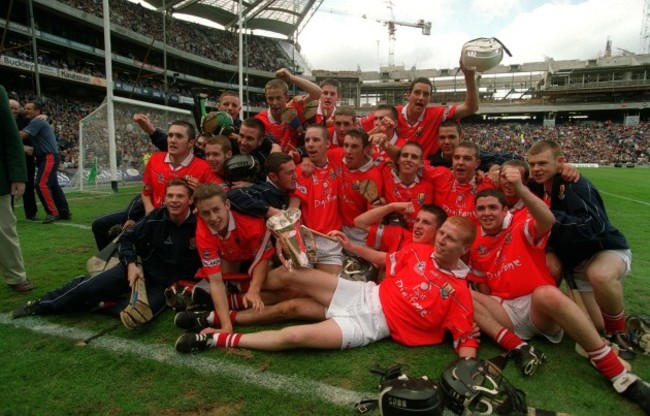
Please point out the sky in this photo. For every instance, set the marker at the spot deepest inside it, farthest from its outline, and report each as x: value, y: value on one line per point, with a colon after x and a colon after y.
x: 339, y: 38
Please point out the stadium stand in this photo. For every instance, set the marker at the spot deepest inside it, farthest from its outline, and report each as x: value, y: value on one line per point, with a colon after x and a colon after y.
x: 595, y: 108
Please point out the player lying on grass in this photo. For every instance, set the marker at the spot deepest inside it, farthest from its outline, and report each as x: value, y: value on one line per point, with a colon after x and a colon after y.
x: 164, y: 240
x: 308, y: 309
x: 422, y: 287
x: 518, y: 298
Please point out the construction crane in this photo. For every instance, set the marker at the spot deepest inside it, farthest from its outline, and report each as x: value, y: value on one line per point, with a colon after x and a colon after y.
x: 391, y: 24
x: 425, y: 26
x: 426, y: 30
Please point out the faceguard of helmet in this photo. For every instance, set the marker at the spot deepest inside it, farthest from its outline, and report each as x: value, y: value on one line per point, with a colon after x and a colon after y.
x: 472, y: 386
x: 241, y: 168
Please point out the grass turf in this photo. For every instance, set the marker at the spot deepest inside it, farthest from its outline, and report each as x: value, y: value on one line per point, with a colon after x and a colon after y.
x: 49, y: 375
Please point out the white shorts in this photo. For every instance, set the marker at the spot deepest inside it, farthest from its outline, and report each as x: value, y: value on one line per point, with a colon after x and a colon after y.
x: 579, y: 271
x: 356, y: 309
x: 328, y: 251
x: 518, y: 311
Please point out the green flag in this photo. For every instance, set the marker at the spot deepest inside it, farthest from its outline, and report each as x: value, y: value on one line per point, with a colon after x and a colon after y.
x: 92, y: 176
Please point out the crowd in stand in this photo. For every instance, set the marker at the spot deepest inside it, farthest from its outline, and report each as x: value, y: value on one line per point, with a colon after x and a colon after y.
x: 214, y: 44
x: 584, y: 142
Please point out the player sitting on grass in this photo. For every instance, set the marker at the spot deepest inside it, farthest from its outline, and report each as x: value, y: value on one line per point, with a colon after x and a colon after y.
x: 518, y: 298
x: 164, y: 241
x: 226, y: 239
x: 590, y: 248
x: 421, y: 299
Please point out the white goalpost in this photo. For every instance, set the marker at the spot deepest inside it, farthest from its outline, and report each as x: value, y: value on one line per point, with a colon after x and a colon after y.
x: 132, y: 146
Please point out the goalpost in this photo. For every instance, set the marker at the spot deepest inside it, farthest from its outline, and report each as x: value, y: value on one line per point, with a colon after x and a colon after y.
x: 132, y: 146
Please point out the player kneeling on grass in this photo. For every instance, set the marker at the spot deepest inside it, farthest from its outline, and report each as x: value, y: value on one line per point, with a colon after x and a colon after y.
x: 518, y: 298
x: 422, y: 297
x: 164, y: 240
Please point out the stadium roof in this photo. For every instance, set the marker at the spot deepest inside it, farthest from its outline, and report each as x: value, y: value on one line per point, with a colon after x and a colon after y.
x: 283, y: 17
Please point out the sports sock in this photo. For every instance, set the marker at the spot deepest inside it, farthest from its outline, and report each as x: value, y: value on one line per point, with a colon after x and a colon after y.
x: 614, y: 323
x: 226, y: 340
x: 607, y: 362
x: 213, y: 318
x: 508, y: 340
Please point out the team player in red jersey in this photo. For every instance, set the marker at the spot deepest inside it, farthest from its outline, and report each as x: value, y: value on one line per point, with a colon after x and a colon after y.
x: 225, y: 239
x: 361, y: 185
x: 515, y: 204
x: 519, y: 210
x: 420, y: 123
x: 386, y: 237
x: 403, y: 181
x: 422, y: 298
x: 383, y: 238
x: 344, y: 119
x: 317, y: 197
x: 177, y: 162
x: 429, y: 220
x: 518, y: 298
x: 385, y: 139
x: 327, y: 104
x: 277, y: 97
x: 456, y: 190
x: 217, y: 149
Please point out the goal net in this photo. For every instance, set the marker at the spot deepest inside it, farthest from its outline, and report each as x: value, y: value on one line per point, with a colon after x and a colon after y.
x: 133, y: 146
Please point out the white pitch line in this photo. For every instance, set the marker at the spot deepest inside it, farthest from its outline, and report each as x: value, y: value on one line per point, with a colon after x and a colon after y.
x: 626, y: 198
x: 165, y: 354
x: 71, y: 224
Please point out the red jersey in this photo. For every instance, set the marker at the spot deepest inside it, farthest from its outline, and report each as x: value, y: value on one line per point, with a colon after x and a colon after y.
x: 519, y: 211
x: 286, y: 135
x: 335, y: 141
x: 420, y: 192
x: 459, y: 199
x: 319, y: 196
x: 247, y: 239
x: 159, y: 171
x: 388, y: 238
x: 421, y: 300
x: 320, y: 118
x: 221, y: 182
x: 425, y: 130
x: 380, y: 155
x: 512, y: 262
x: 353, y: 185
x: 367, y: 123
